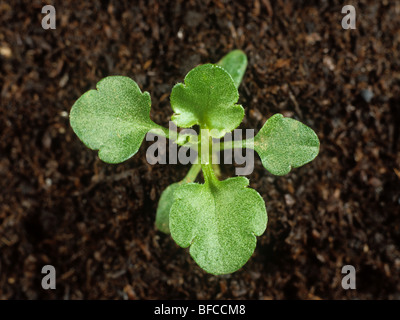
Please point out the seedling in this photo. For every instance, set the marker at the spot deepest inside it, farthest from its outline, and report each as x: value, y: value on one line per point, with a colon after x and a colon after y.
x: 218, y: 219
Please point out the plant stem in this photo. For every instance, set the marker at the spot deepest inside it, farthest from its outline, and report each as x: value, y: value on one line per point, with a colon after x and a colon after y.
x: 206, y: 162
x: 208, y: 172
x: 192, y: 173
x: 160, y: 130
x: 237, y: 144
x: 165, y: 132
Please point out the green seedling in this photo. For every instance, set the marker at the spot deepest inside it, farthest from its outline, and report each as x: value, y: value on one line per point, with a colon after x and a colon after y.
x: 219, y: 219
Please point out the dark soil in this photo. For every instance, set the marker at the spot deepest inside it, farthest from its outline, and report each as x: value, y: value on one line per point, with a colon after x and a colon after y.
x: 60, y: 205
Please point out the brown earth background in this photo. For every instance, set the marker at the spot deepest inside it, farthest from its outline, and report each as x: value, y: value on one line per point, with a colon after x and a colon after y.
x: 60, y: 205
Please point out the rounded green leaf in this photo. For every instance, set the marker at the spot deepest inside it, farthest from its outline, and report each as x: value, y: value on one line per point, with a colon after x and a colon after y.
x: 167, y: 199
x: 113, y: 119
x: 219, y: 221
x: 235, y: 62
x: 164, y: 207
x: 285, y: 143
x: 208, y: 98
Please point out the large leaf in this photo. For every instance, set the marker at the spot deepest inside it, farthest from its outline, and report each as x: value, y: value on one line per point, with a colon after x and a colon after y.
x: 113, y: 119
x: 219, y: 221
x: 167, y: 198
x: 208, y: 98
x: 285, y: 143
x: 164, y: 207
x: 235, y: 62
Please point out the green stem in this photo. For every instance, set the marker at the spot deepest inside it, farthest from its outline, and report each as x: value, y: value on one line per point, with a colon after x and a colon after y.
x: 165, y: 132
x: 192, y: 174
x: 208, y: 172
x: 237, y: 144
x: 160, y: 130
x: 207, y: 166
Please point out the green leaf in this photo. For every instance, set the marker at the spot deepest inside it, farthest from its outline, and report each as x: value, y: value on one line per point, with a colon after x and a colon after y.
x: 208, y: 98
x: 219, y: 221
x: 167, y: 199
x: 235, y: 62
x: 164, y: 207
x: 113, y: 119
x: 285, y: 143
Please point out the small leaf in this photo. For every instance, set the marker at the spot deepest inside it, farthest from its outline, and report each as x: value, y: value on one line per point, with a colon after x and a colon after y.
x: 235, y: 62
x: 164, y: 207
x: 113, y: 119
x: 219, y: 221
x: 285, y: 143
x: 167, y: 198
x: 208, y: 98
